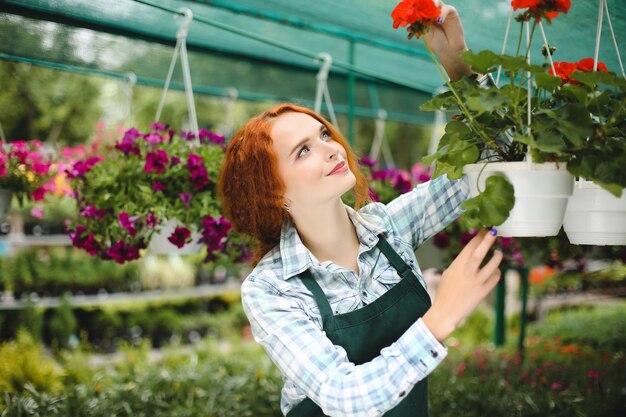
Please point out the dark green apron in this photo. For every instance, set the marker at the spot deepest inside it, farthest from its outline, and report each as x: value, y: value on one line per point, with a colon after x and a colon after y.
x: 365, y: 331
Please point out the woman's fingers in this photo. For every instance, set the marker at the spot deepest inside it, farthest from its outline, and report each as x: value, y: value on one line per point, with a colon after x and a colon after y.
x: 482, y: 248
x: 491, y: 267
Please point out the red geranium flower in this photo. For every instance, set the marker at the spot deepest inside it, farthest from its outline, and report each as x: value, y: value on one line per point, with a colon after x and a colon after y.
x: 538, y: 9
x: 417, y: 14
x: 566, y: 69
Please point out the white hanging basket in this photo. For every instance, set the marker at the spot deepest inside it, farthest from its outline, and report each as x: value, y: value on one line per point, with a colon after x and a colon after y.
x: 594, y: 216
x: 5, y: 203
x: 160, y: 245
x: 541, y: 194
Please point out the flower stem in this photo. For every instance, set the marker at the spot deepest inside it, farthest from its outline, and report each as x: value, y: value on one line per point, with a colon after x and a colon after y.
x: 464, y: 109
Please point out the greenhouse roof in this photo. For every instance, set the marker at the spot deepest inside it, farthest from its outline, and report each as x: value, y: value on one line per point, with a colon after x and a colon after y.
x: 266, y: 49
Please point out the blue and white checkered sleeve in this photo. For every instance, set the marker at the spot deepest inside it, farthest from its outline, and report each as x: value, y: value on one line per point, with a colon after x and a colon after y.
x: 428, y: 208
x: 321, y: 370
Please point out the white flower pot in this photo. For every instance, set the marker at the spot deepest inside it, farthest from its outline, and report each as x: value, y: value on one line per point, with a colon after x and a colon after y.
x: 160, y: 245
x: 594, y: 216
x: 5, y: 203
x: 541, y: 194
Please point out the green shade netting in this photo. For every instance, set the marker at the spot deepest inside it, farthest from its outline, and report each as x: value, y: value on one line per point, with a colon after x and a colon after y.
x: 122, y: 36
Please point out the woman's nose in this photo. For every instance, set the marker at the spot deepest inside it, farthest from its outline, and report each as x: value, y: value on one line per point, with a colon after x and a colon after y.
x: 332, y: 151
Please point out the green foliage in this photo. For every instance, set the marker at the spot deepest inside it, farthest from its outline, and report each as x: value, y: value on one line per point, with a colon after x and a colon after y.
x: 22, y: 362
x: 53, y: 271
x: 492, y: 206
x: 600, y: 327
x: 63, y: 324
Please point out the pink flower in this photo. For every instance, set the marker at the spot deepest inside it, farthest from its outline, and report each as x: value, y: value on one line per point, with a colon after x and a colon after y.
x: 420, y: 173
x: 37, y: 212
x: 19, y: 150
x: 91, y: 212
x: 556, y: 385
x: 185, y: 135
x: 128, y: 222
x: 156, y: 161
x: 154, y: 138
x: 88, y: 243
x: 214, y: 230
x: 199, y: 174
x: 593, y: 374
x: 174, y: 160
x: 3, y: 167
x: 180, y: 237
x: 185, y: 198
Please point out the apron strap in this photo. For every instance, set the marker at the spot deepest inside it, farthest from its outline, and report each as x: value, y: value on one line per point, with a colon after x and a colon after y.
x: 392, y: 256
x: 318, y: 293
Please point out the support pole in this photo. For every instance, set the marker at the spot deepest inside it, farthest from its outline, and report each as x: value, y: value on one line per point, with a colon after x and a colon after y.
x: 499, y: 332
x: 524, y: 293
x: 351, y: 93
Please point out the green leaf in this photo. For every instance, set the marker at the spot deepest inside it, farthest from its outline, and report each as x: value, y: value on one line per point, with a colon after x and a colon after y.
x: 550, y: 141
x: 574, y: 122
x: 487, y: 101
x: 493, y: 205
x: 547, y: 81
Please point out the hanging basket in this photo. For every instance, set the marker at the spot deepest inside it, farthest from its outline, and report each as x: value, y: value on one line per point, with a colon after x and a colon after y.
x: 594, y: 216
x: 5, y: 203
x: 541, y: 194
x: 159, y: 244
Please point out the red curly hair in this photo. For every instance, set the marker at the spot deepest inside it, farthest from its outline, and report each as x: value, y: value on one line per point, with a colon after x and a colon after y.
x: 251, y: 188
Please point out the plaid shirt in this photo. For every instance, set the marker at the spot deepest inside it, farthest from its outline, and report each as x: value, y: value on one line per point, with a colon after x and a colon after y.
x: 285, y: 318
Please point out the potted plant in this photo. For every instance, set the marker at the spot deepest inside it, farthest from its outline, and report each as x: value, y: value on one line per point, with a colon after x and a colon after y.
x: 537, y: 131
x: 149, y: 184
x: 25, y: 173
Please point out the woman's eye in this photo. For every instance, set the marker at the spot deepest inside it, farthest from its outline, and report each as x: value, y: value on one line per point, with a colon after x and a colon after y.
x: 326, y: 134
x: 302, y: 151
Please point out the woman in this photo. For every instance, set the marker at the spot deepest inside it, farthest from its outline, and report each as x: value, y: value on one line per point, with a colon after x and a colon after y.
x: 336, y: 297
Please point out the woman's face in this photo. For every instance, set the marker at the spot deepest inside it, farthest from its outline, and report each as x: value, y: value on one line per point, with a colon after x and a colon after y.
x: 312, y: 165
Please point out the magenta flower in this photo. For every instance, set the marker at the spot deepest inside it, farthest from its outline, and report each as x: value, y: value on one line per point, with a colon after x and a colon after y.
x: 80, y: 168
x: 128, y: 144
x: 180, y: 237
x: 174, y: 160
x: 208, y: 137
x: 151, y: 221
x: 88, y: 243
x: 367, y: 161
x: 441, y: 240
x: 372, y: 195
x: 19, y: 150
x: 127, y: 222
x: 158, y: 186
x: 156, y: 161
x: 39, y: 193
x: 466, y: 237
x: 185, y: 198
x: 91, y: 212
x: 120, y: 252
x: 158, y: 127
x: 199, y: 174
x: 3, y: 167
x: 593, y: 374
x: 154, y: 138
x: 185, y: 135
x: 400, y: 179
x: 420, y: 173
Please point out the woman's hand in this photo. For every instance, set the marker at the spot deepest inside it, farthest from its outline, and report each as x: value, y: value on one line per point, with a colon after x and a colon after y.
x: 463, y: 285
x: 447, y: 41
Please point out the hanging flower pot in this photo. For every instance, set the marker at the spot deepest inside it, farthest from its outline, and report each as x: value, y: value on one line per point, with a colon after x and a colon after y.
x: 594, y: 216
x: 5, y: 203
x: 541, y: 193
x: 171, y: 235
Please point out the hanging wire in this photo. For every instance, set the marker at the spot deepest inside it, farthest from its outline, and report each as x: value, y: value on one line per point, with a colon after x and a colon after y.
x: 322, y: 87
x: 547, y: 47
x: 608, y: 19
x: 2, y: 137
x: 506, y: 38
x: 181, y: 47
x: 127, y: 89
x: 598, y: 34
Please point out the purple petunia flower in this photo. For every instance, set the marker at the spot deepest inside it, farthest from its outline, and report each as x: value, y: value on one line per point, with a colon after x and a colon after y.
x: 128, y: 144
x: 120, y: 252
x: 367, y: 161
x: 80, y: 168
x: 199, y: 174
x: 180, y: 236
x: 185, y: 198
x: 158, y: 186
x: 154, y: 138
x: 174, y: 160
x: 207, y: 137
x: 128, y: 222
x: 185, y: 135
x: 158, y: 127
x: 156, y: 161
x: 151, y: 221
x: 91, y: 212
